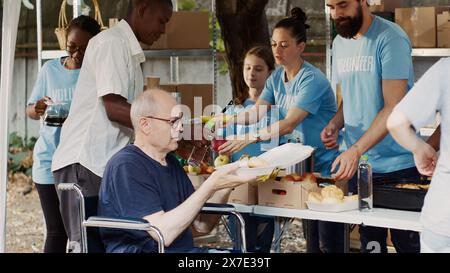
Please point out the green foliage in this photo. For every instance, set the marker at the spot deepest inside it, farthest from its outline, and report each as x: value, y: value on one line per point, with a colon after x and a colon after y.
x: 187, y: 5
x: 20, y: 154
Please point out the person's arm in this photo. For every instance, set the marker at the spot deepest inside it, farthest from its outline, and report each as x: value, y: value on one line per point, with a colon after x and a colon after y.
x: 36, y: 104
x: 280, y: 128
x: 435, y: 139
x: 111, y: 62
x: 117, y: 109
x: 393, y: 92
x: 428, y: 96
x: 174, y: 222
x: 330, y: 133
x: 308, y: 101
x: 249, y: 116
x: 36, y: 110
x: 205, y: 223
x: 402, y: 131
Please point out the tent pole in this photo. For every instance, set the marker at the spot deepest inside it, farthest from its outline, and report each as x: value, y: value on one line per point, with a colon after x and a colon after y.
x: 39, y: 31
x: 9, y: 37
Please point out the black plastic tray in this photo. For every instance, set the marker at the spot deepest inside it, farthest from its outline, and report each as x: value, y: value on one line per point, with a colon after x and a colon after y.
x: 386, y: 195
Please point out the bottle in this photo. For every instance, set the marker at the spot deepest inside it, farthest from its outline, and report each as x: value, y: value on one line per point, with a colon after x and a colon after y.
x: 365, y: 193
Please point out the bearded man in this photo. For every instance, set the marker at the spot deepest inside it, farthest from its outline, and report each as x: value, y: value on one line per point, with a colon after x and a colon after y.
x: 372, y: 63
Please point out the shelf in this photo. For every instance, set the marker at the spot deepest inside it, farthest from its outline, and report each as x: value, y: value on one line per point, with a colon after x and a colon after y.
x: 431, y: 52
x: 179, y: 53
x: 53, y: 54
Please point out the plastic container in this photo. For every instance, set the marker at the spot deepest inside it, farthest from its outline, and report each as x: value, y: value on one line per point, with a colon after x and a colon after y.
x: 282, y: 157
x: 386, y: 195
x: 365, y: 184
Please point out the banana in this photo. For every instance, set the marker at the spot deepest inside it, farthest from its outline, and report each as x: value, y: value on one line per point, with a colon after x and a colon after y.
x: 272, y: 175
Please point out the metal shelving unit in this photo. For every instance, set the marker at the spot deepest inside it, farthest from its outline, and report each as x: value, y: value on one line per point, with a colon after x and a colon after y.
x: 52, y: 54
x: 431, y: 52
x: 169, y: 53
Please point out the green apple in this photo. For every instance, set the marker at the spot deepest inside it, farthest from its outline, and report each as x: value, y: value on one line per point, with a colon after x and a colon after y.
x: 194, y: 170
x: 221, y: 160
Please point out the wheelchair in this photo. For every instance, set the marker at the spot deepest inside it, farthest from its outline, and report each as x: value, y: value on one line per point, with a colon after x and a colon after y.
x: 96, y: 222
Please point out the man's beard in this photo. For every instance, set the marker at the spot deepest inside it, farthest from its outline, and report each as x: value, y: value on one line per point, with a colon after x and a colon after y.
x: 348, y: 27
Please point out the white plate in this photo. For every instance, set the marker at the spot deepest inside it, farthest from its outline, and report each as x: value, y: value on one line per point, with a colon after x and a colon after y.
x: 345, y: 206
x: 283, y: 156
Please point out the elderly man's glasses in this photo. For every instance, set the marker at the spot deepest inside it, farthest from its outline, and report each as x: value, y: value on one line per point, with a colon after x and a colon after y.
x: 73, y: 49
x: 173, y: 121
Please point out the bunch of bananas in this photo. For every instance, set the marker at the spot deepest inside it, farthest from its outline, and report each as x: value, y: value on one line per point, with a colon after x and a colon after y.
x: 272, y: 175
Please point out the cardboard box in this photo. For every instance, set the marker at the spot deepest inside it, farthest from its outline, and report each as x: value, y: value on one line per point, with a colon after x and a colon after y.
x: 152, y: 82
x: 420, y: 24
x: 443, y: 30
x: 246, y: 194
x: 291, y: 195
x: 198, y: 95
x: 169, y: 87
x: 185, y: 30
x: 386, y: 5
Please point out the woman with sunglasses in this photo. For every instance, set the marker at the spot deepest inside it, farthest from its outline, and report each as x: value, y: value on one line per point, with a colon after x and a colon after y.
x: 306, y: 104
x: 55, y: 83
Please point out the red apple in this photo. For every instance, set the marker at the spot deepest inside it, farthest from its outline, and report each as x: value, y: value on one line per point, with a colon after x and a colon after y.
x: 216, y: 143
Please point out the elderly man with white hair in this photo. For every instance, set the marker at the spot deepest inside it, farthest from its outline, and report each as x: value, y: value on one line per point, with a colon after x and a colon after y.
x: 144, y: 180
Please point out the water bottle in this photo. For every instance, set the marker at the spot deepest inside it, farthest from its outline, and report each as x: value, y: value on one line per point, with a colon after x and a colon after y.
x: 365, y: 193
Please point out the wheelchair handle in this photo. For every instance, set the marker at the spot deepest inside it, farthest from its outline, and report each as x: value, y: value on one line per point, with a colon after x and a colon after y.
x: 66, y: 186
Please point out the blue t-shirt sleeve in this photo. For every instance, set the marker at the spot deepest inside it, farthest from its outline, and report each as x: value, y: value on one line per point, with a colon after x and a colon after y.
x: 396, y: 59
x: 310, y: 95
x: 268, y: 91
x: 40, y: 87
x: 136, y: 193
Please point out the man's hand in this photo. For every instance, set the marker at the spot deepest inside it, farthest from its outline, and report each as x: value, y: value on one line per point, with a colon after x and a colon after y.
x: 41, y: 106
x: 426, y: 159
x: 235, y: 144
x: 225, y: 178
x: 348, y: 164
x: 329, y: 136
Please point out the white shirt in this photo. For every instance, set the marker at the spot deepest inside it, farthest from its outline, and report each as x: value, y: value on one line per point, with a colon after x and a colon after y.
x: 111, y: 66
x: 429, y: 95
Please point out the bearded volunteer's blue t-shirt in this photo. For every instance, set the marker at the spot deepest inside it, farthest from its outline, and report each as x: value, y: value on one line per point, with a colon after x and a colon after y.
x: 58, y: 83
x: 134, y: 186
x: 309, y: 91
x: 360, y: 66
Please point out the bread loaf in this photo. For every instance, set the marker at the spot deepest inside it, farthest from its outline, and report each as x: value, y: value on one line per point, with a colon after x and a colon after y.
x: 314, y: 197
x: 332, y: 192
